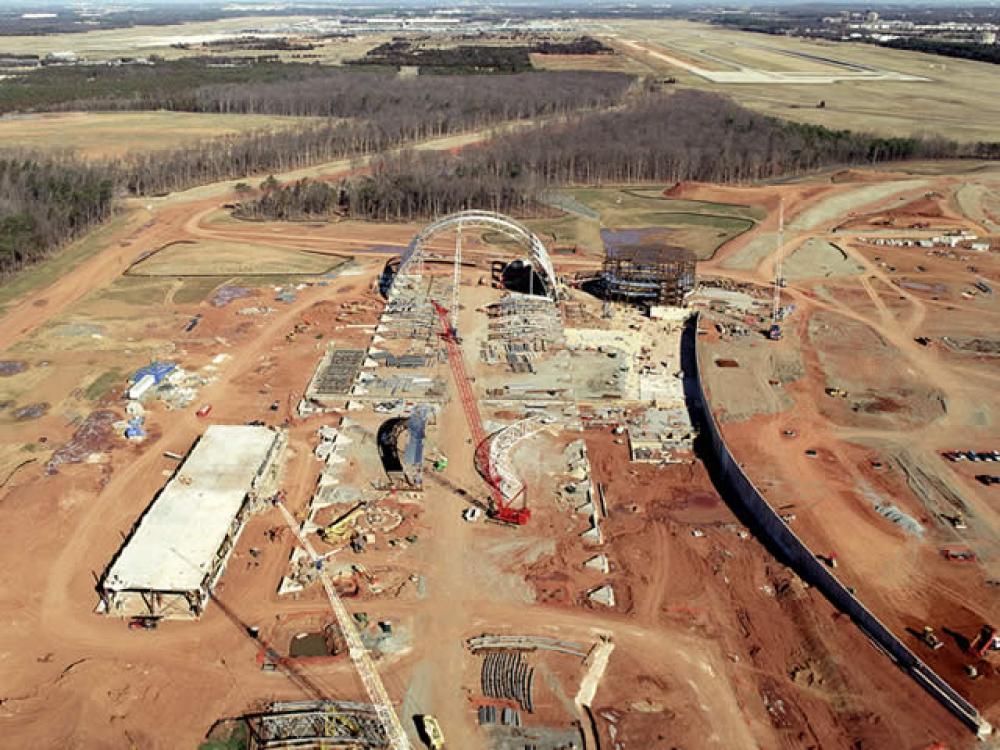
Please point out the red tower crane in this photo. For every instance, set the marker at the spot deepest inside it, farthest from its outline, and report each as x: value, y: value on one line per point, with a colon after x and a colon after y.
x: 501, y: 508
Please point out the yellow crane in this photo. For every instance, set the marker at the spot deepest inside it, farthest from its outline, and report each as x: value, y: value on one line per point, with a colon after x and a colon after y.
x: 355, y: 647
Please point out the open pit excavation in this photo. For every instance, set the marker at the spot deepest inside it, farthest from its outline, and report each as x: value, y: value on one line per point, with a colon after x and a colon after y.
x: 494, y: 492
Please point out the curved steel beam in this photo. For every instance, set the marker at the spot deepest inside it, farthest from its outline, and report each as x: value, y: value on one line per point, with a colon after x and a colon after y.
x: 514, y: 229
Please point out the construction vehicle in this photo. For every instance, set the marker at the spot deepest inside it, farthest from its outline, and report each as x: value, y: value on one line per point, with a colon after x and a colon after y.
x: 432, y: 730
x: 985, y: 642
x: 959, y: 555
x: 957, y: 521
x: 143, y: 623
x: 501, y: 509
x: 341, y: 529
x: 336, y: 721
x: 204, y: 411
x: 836, y: 392
x: 929, y: 638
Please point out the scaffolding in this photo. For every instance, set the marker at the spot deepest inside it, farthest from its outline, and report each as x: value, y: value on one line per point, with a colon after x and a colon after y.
x: 521, y: 327
x: 336, y: 373
x: 316, y: 724
x: 655, y: 275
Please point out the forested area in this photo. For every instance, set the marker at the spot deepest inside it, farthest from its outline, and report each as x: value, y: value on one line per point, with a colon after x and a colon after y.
x: 965, y: 50
x: 379, y: 118
x: 300, y: 89
x: 475, y: 58
x: 689, y: 135
x: 374, y: 118
x: 46, y: 202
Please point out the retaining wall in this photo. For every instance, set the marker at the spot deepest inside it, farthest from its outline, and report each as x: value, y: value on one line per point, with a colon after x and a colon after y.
x: 741, y: 493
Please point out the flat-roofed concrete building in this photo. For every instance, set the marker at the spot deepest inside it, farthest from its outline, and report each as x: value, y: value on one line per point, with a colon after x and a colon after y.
x: 179, y: 547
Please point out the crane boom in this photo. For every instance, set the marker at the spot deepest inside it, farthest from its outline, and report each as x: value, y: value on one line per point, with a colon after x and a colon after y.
x: 501, y: 510
x: 359, y: 654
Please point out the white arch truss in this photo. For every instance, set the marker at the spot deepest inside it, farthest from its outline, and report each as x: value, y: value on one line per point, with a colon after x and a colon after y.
x: 537, y: 253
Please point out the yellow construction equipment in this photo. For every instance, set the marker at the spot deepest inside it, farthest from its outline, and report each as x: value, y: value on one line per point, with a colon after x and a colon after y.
x: 435, y: 737
x: 336, y: 721
x: 340, y: 530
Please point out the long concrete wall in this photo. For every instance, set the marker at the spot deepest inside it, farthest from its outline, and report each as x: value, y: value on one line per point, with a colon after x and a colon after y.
x: 750, y: 504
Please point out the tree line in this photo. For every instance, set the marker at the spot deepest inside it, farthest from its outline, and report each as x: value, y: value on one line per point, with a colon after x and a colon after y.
x: 475, y: 58
x: 989, y: 53
x: 198, y: 85
x: 660, y: 138
x: 47, y: 201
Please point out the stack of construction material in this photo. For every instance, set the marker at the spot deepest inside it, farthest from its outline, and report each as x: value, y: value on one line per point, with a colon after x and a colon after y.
x: 506, y: 675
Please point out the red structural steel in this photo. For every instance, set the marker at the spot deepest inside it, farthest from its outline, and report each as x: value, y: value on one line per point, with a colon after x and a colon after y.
x: 501, y: 510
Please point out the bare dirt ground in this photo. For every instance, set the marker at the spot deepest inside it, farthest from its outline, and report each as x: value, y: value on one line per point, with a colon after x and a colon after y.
x: 862, y: 474
x: 715, y: 644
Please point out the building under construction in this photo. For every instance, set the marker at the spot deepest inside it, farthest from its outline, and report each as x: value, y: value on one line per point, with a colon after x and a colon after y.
x: 650, y: 274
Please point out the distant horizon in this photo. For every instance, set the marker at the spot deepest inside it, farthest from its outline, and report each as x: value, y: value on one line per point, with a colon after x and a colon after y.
x: 119, y: 5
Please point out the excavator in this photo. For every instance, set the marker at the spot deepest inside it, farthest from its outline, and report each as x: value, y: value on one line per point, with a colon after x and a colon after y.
x: 342, y: 528
x: 985, y: 642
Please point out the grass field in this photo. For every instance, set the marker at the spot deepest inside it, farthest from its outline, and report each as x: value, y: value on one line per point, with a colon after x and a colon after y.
x: 159, y: 40
x: 954, y: 101
x: 616, y: 63
x: 697, y: 225
x: 107, y: 134
x: 62, y: 261
x: 232, y: 259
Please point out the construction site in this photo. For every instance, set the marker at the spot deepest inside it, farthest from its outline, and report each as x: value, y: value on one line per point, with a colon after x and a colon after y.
x: 475, y: 494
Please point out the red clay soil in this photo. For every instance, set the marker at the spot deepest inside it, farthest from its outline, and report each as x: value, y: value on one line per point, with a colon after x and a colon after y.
x: 803, y: 675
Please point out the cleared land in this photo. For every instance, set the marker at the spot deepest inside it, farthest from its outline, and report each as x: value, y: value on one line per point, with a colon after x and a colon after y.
x: 192, y: 258
x: 643, y: 214
x: 947, y: 101
x: 687, y: 603
x: 96, y: 135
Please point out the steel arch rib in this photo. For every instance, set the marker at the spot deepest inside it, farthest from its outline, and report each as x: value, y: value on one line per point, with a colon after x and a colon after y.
x: 514, y: 229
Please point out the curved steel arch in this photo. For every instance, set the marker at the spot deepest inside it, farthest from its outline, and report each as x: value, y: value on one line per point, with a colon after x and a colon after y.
x: 490, y: 219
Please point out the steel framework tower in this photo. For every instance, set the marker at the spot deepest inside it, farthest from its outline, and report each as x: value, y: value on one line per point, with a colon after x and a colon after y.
x: 775, y: 331
x: 359, y: 654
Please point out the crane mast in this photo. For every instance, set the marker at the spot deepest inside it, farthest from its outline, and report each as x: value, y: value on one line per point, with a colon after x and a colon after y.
x: 363, y: 663
x: 774, y: 333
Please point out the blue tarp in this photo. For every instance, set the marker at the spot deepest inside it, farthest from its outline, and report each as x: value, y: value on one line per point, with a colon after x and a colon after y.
x: 159, y: 370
